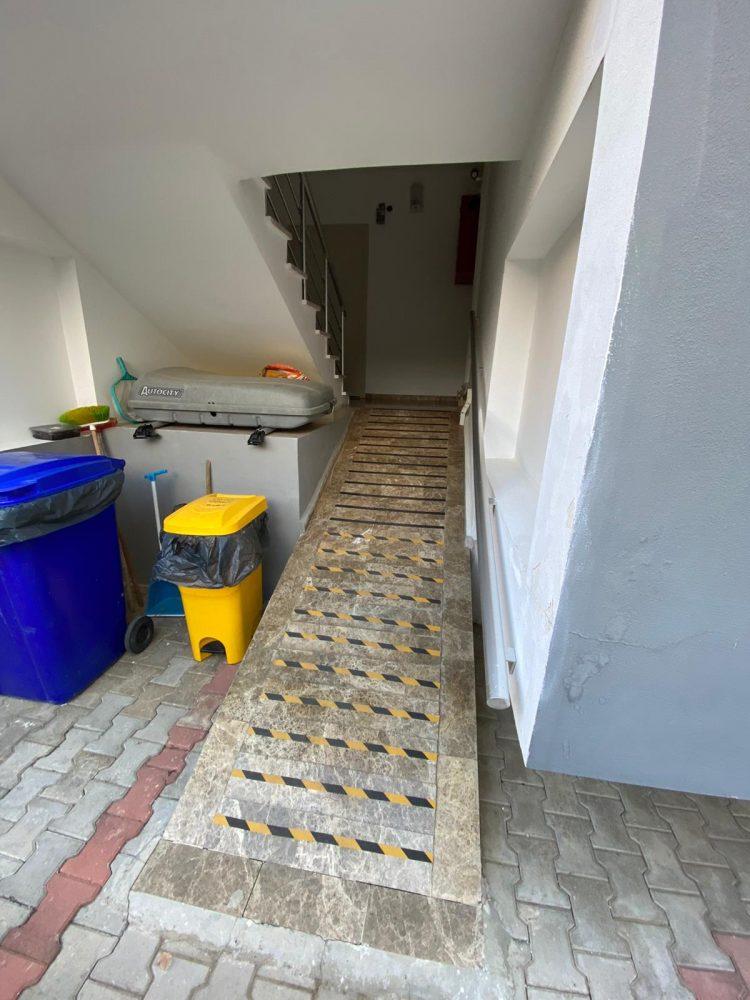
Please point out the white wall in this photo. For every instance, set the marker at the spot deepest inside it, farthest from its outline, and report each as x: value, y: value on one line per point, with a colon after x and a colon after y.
x: 555, y: 286
x: 417, y: 318
x: 35, y: 380
x: 61, y: 325
x: 624, y: 37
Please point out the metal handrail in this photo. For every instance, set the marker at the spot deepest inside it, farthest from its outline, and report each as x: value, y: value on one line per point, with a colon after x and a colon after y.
x: 301, y: 219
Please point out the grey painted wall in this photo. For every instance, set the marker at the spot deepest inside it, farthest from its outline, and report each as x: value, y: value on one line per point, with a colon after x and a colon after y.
x: 648, y: 678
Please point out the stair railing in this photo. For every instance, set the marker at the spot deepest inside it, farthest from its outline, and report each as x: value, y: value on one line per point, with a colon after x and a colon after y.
x: 289, y: 201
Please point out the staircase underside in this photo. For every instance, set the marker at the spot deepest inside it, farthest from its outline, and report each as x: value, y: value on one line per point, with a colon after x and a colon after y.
x: 347, y: 744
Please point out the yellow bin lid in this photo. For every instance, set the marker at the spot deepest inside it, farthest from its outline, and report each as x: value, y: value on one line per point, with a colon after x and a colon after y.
x: 215, y: 514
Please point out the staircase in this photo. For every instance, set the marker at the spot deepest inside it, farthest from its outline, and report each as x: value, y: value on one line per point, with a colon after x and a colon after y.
x: 291, y: 209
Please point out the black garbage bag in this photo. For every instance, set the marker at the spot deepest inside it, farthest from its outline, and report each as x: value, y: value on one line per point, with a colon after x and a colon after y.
x: 40, y: 516
x: 211, y: 561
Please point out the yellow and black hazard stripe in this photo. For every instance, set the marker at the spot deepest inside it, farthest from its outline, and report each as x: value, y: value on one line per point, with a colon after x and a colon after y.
x: 381, y: 573
x: 345, y: 640
x: 338, y: 743
x: 372, y: 675
x: 383, y: 595
x: 410, y: 539
x: 387, y: 556
x: 346, y: 616
x: 350, y: 706
x: 317, y: 837
x: 333, y: 788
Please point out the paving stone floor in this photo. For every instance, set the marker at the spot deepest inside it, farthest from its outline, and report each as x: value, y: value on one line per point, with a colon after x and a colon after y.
x: 590, y: 889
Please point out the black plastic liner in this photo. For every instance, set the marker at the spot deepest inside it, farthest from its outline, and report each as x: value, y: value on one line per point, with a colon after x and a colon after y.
x: 212, y: 561
x: 44, y: 515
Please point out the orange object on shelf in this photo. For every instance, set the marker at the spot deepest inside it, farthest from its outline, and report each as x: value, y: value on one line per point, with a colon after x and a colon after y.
x: 284, y: 371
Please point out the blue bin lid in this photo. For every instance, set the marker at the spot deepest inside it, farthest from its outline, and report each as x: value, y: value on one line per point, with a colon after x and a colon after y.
x: 29, y: 475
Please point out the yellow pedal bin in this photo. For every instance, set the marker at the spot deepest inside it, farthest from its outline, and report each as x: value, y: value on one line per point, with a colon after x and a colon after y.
x: 219, y: 613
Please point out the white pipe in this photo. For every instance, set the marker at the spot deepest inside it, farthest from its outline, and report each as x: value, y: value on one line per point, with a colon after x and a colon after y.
x: 157, y: 515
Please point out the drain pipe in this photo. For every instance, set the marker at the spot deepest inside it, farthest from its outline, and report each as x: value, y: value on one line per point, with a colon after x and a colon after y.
x: 499, y: 650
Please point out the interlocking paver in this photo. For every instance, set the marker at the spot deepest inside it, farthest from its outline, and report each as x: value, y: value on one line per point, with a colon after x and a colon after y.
x: 726, y: 910
x: 177, y: 787
x: 229, y: 980
x: 672, y: 799
x: 514, y: 769
x: 17, y: 972
x: 109, y: 911
x: 27, y: 884
x: 177, y: 667
x: 19, y: 841
x: 129, y: 965
x: 707, y: 985
x: 720, y: 822
x: 488, y: 738
x: 137, y: 803
x: 11, y: 915
x: 737, y: 853
x: 551, y: 965
x: 694, y: 945
x: 157, y: 731
x: 561, y: 795
x: 595, y: 786
x: 25, y: 753
x: 494, y: 838
x: 738, y: 948
x: 575, y: 853
x: 640, y: 809
x: 53, y: 732
x: 527, y: 818
x: 100, y: 718
x: 632, y: 900
x: 594, y: 930
x: 61, y: 759
x: 70, y: 787
x: 96, y: 991
x: 656, y: 975
x: 609, y: 978
x: 536, y: 860
x: 39, y: 936
x: 33, y: 781
x: 501, y: 880
x: 664, y: 871
x: 112, y: 740
x: 202, y: 712
x: 81, y: 820
x: 490, y: 786
x: 81, y: 950
x: 693, y: 846
x: 143, y: 845
x: 93, y: 862
x: 174, y: 978
x: 610, y: 833
x: 12, y: 731
x: 135, y: 753
x: 267, y: 989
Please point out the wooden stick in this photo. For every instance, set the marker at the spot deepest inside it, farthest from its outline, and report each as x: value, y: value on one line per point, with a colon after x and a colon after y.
x: 209, y: 477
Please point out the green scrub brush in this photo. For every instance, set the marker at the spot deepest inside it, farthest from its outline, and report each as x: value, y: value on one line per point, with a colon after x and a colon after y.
x: 126, y: 377
x: 83, y: 415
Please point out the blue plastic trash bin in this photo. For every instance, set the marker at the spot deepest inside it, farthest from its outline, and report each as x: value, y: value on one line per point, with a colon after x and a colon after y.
x: 62, y: 607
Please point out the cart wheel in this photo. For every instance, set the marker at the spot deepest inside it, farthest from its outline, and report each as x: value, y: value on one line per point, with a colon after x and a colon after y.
x: 139, y: 634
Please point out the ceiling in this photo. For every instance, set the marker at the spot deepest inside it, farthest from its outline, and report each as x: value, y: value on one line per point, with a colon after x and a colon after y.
x: 129, y: 124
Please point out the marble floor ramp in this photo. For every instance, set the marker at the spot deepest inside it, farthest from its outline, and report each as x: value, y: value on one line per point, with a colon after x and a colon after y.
x: 346, y: 746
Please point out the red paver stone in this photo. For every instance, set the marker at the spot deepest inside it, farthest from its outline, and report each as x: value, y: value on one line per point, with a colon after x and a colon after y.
x: 17, y: 973
x: 171, y: 760
x: 738, y: 949
x: 184, y: 738
x: 708, y: 985
x: 39, y: 937
x: 110, y: 836
x: 137, y: 804
x: 221, y: 681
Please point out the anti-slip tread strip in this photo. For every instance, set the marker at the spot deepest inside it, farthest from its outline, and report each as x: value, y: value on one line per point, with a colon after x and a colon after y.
x: 383, y: 595
x: 350, y: 706
x: 339, y: 743
x: 386, y: 556
x: 318, y: 837
x: 347, y: 616
x: 410, y: 539
x: 346, y: 640
x: 380, y: 573
x: 386, y: 524
x: 391, y: 510
x: 333, y: 788
x: 372, y: 675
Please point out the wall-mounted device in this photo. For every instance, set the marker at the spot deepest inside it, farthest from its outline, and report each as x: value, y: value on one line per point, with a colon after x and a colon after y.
x: 476, y: 174
x: 380, y: 212
x: 416, y: 197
